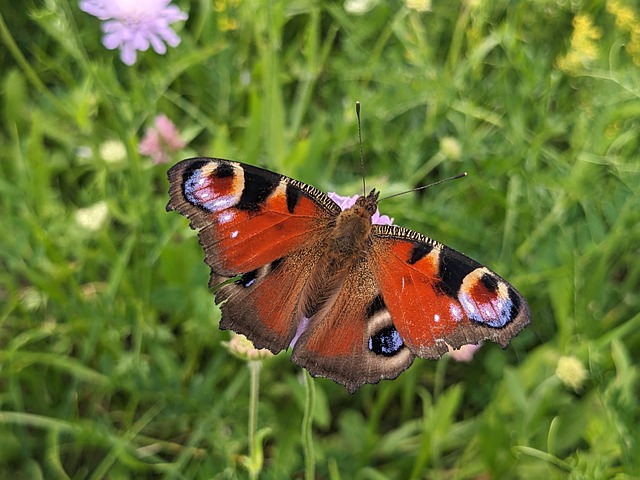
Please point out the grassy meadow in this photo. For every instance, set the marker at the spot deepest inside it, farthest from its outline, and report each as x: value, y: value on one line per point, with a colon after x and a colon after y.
x: 111, y: 361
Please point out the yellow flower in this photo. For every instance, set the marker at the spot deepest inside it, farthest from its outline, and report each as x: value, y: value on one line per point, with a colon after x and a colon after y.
x: 225, y: 8
x: 584, y: 48
x: 32, y: 299
x: 113, y: 151
x: 226, y: 24
x: 451, y: 148
x: 625, y: 16
x: 627, y: 20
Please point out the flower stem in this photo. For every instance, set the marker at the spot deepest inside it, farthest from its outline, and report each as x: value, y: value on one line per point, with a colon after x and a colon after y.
x: 254, y: 368
x: 307, y: 423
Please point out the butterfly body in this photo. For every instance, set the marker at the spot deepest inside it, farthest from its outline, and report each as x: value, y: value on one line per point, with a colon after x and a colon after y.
x: 356, y: 301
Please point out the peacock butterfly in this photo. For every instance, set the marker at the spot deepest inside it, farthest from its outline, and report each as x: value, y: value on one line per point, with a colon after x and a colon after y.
x: 355, y: 300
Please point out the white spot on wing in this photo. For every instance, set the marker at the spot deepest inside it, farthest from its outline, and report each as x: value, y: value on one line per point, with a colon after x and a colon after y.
x: 234, y: 234
x: 436, y: 318
x: 456, y: 312
x: 226, y: 217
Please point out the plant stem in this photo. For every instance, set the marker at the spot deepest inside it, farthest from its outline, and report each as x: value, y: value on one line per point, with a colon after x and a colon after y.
x: 254, y: 368
x: 307, y: 424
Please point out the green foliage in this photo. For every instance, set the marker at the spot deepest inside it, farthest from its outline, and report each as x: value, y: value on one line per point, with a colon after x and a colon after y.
x: 111, y: 362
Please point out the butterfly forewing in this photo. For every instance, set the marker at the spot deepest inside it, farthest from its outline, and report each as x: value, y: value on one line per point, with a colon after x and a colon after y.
x: 247, y: 216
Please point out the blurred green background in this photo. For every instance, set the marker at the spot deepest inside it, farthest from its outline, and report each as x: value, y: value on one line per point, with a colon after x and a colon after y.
x: 111, y: 362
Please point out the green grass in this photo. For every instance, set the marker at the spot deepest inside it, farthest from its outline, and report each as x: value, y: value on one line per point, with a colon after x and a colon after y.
x: 111, y: 362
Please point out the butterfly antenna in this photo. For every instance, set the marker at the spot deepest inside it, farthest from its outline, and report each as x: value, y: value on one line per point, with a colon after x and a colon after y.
x: 364, y: 186
x: 424, y: 187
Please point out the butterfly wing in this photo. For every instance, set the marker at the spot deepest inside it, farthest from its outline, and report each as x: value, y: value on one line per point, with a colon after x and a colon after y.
x: 264, y: 234
x: 247, y: 216
x: 352, y: 339
x: 438, y: 296
x: 261, y: 227
x: 265, y: 304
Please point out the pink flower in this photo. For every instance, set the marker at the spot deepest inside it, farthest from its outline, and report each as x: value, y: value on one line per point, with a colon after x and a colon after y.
x: 161, y: 141
x: 347, y: 202
x: 465, y: 353
x: 132, y: 25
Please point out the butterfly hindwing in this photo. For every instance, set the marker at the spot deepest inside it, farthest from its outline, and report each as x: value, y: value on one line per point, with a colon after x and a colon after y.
x: 438, y: 296
x: 352, y: 340
x: 264, y: 304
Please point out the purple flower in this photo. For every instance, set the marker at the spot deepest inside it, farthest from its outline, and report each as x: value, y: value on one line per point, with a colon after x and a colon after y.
x: 161, y: 141
x: 347, y: 202
x: 132, y: 25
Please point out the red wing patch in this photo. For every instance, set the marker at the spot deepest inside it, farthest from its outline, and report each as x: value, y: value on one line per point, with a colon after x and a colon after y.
x: 248, y: 217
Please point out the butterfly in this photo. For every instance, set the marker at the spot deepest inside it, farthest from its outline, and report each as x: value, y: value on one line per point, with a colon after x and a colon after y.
x: 355, y: 301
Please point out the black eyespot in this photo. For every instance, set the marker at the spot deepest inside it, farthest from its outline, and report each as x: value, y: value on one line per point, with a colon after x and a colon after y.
x: 387, y: 342
x: 247, y: 279
x: 453, y: 269
x: 490, y: 282
x: 224, y: 170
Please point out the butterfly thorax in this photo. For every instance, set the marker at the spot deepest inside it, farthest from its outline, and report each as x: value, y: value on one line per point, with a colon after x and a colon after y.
x: 351, y: 233
x: 345, y: 246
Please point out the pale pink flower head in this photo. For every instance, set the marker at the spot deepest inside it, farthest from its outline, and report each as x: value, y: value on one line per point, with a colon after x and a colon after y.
x: 465, y: 353
x: 348, y: 202
x: 160, y: 141
x: 133, y: 25
x: 241, y: 347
